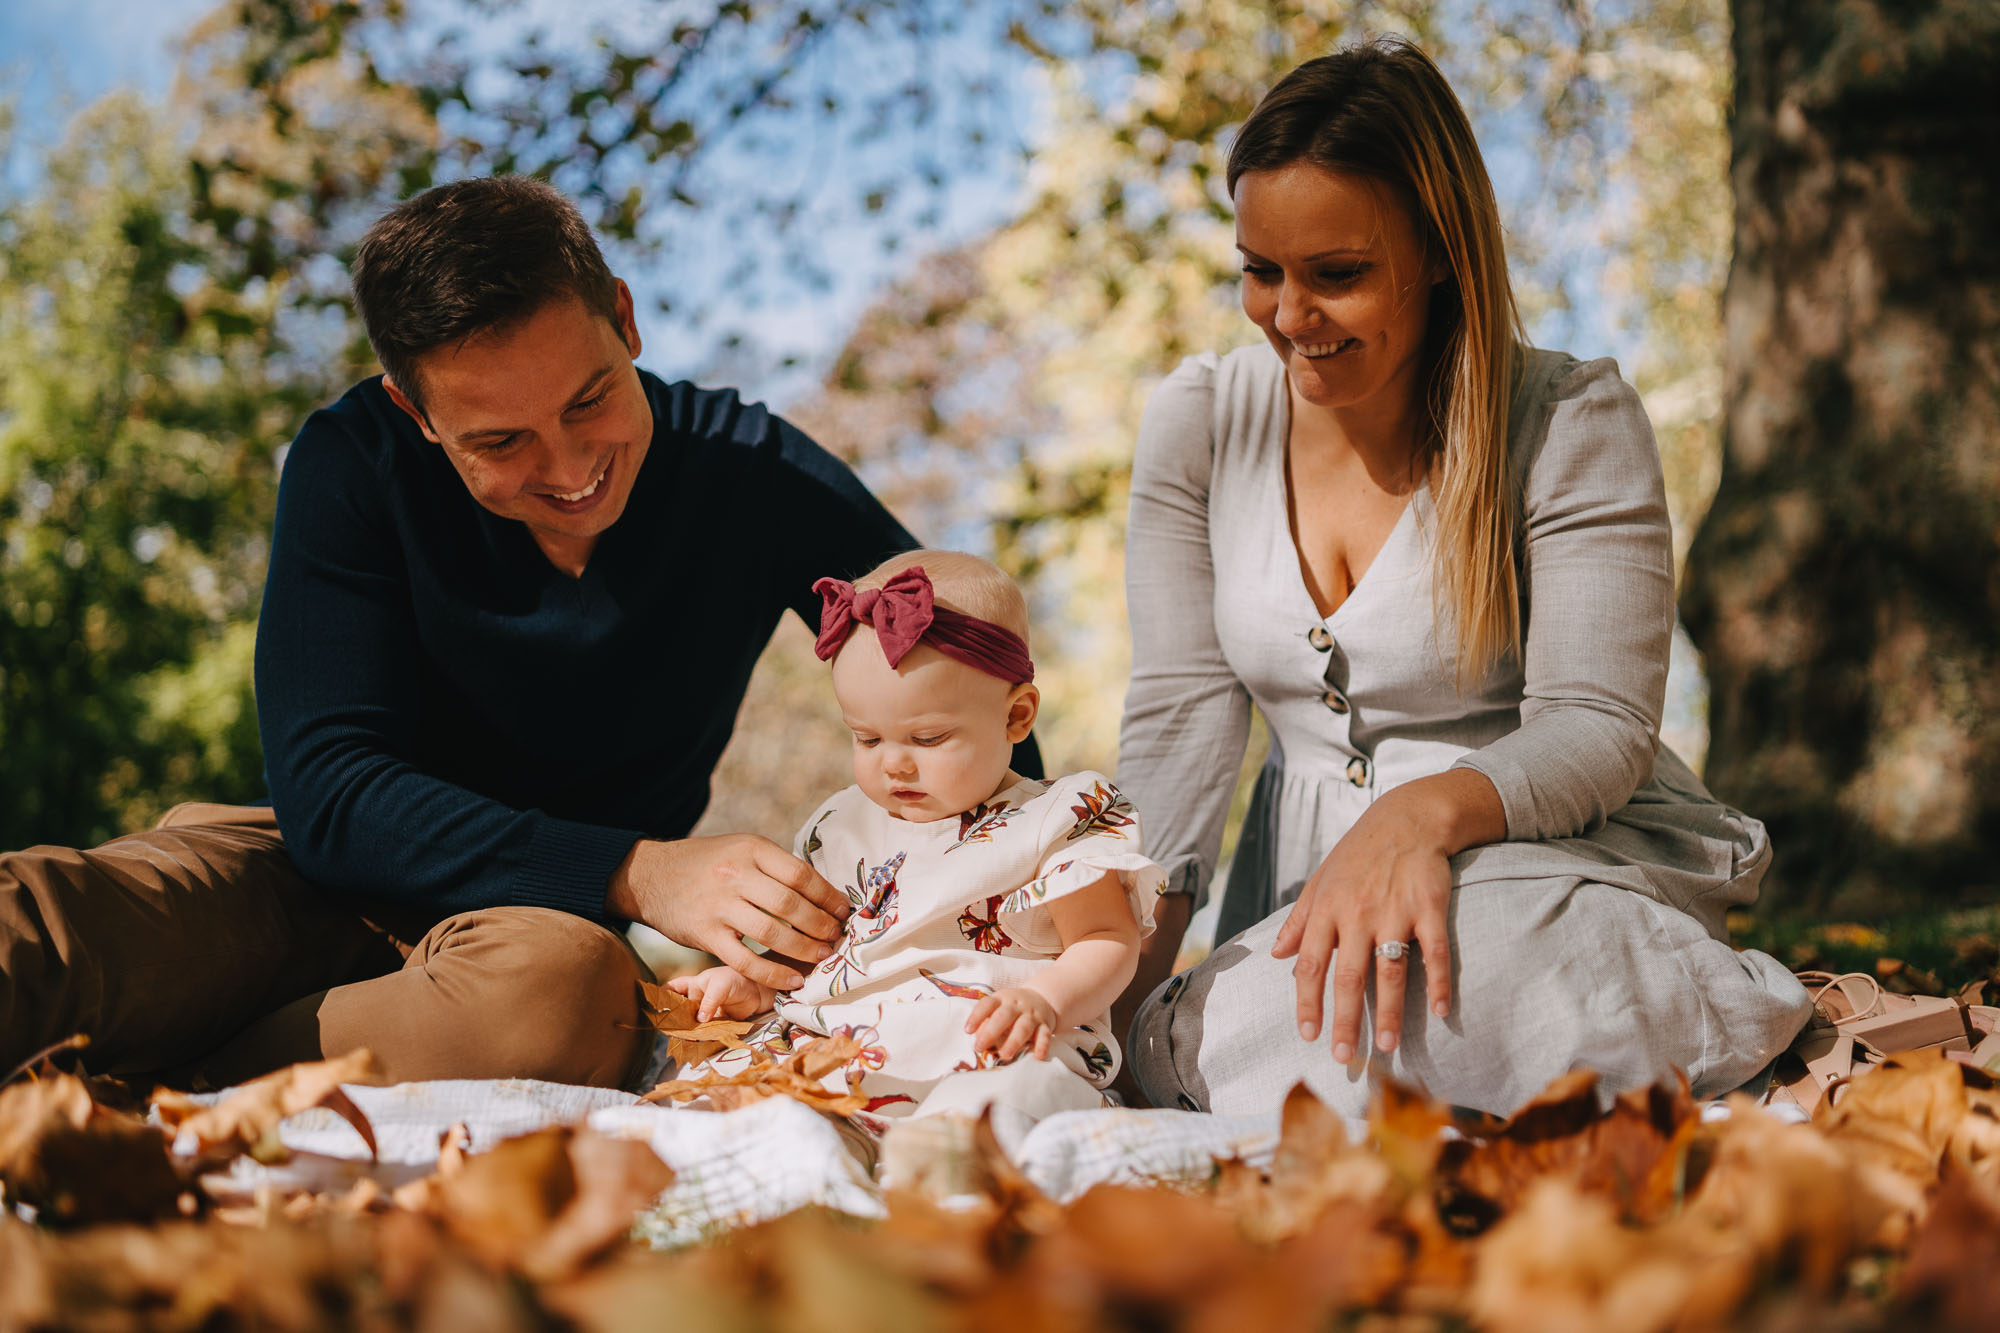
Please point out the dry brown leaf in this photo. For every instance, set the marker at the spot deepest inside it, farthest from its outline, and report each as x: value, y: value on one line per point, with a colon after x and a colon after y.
x: 1350, y: 1258
x: 1898, y: 976
x: 1560, y: 1262
x: 954, y: 1250
x: 1633, y: 1154
x: 247, y: 1119
x: 1897, y: 1122
x: 1136, y: 1249
x: 615, y: 1179
x: 689, y: 1040
x: 383, y: 1271
x: 546, y: 1203
x: 799, y: 1075
x: 452, y: 1145
x: 75, y: 1162
x: 637, y: 1289
x: 1407, y: 1127
x: 1314, y: 1166
x: 1952, y: 1277
x: 1785, y: 1194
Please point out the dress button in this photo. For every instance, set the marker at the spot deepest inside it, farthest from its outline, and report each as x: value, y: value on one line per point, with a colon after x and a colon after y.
x: 1173, y: 990
x: 1357, y: 771
x: 1319, y: 638
x: 1335, y: 700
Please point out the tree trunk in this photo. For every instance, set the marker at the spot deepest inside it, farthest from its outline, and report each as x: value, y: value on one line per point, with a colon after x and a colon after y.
x: 1845, y: 586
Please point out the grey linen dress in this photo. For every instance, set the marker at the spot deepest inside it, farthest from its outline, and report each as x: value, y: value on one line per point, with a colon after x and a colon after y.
x: 1593, y: 936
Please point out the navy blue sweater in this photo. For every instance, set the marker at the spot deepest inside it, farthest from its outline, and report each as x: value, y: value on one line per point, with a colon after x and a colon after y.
x: 451, y: 722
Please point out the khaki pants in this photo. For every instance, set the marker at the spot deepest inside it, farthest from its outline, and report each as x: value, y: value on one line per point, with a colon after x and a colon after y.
x: 195, y: 951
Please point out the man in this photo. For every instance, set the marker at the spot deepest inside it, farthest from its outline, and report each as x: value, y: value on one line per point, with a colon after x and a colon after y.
x: 516, y: 590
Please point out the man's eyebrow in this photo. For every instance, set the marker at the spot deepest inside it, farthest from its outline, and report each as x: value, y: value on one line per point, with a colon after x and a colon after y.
x: 590, y: 386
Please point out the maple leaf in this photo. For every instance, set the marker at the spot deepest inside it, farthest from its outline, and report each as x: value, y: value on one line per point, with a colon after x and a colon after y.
x: 247, y: 1119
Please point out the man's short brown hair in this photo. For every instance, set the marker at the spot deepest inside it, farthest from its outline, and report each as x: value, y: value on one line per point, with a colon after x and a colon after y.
x: 468, y: 258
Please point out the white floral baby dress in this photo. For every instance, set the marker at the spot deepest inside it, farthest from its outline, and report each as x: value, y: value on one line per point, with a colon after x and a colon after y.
x: 944, y: 913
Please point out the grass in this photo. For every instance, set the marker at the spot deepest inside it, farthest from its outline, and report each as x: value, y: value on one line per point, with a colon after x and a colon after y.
x: 1932, y: 953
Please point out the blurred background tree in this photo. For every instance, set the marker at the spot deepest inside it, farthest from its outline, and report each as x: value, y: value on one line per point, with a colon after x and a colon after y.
x: 1847, y: 584
x: 1040, y: 181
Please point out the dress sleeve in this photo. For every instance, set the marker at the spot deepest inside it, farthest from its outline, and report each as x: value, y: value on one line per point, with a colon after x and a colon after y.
x: 1598, y: 604
x: 1088, y: 831
x: 1187, y: 717
x: 337, y: 703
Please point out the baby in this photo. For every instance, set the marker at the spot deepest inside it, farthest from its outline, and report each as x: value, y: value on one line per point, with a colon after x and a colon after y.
x: 995, y: 917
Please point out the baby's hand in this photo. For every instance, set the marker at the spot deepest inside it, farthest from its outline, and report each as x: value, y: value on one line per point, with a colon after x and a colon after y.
x: 1011, y: 1021
x: 723, y: 992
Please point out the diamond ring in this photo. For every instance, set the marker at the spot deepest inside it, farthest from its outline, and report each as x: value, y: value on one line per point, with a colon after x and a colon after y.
x: 1393, y: 950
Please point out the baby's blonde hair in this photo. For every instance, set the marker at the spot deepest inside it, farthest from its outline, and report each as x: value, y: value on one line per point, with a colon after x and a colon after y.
x: 962, y: 582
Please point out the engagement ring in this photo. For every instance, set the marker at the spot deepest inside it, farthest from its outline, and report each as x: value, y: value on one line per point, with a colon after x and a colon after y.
x: 1393, y: 950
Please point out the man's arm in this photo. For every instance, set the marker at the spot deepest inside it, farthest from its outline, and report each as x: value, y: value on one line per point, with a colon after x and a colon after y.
x: 338, y: 698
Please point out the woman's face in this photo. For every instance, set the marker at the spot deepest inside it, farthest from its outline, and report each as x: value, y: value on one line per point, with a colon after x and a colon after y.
x: 1335, y: 275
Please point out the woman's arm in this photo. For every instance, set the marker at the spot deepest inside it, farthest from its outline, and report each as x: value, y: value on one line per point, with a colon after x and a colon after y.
x: 1187, y: 717
x: 1597, y: 576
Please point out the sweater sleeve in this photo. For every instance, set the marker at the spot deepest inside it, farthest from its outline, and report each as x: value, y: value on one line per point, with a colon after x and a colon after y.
x: 1598, y: 593
x: 1187, y: 716
x: 338, y: 697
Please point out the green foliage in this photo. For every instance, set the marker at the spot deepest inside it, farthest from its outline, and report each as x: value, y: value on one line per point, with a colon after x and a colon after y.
x: 172, y: 302
x: 135, y: 493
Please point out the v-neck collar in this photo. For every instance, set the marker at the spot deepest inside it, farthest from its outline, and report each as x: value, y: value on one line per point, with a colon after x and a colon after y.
x: 1405, y: 521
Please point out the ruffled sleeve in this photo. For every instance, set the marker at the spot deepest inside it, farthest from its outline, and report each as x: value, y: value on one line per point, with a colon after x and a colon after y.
x: 1088, y: 830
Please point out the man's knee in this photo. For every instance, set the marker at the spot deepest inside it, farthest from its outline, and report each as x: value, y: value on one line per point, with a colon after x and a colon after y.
x: 569, y: 992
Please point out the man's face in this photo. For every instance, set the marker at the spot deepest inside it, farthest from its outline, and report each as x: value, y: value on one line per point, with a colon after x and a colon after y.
x: 545, y: 421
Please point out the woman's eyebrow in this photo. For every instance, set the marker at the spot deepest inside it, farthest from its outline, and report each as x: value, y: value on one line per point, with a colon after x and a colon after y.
x: 1339, y: 252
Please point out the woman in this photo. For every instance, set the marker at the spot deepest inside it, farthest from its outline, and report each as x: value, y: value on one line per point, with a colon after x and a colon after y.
x: 1438, y: 562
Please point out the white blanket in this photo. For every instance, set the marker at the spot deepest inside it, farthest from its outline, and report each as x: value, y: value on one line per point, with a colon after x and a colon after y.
x: 732, y: 1168
x: 736, y: 1168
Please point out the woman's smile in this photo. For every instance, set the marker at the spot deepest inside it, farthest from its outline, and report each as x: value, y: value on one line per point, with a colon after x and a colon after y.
x: 1335, y: 274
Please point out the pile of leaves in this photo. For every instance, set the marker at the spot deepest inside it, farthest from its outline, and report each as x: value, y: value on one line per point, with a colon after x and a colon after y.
x: 1885, y: 1214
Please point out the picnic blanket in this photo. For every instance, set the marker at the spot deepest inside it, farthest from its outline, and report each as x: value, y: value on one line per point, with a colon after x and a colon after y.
x: 731, y: 1168
x: 737, y: 1168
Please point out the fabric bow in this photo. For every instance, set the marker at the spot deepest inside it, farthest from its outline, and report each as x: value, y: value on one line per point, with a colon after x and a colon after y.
x: 899, y: 612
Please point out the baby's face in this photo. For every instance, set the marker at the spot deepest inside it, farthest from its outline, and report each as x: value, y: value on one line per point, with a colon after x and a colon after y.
x: 932, y: 739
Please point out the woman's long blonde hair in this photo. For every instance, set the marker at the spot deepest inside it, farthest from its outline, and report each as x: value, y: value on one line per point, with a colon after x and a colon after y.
x: 1382, y: 110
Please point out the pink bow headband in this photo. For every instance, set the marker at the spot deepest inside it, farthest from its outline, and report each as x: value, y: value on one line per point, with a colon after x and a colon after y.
x: 904, y: 611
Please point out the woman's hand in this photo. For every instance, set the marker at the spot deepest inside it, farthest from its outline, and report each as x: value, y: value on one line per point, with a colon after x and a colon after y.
x: 1012, y: 1020
x: 1388, y: 879
x: 723, y: 992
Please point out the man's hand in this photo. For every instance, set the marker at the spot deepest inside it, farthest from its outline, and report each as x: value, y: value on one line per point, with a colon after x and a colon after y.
x: 1012, y: 1020
x: 723, y: 992
x: 712, y: 893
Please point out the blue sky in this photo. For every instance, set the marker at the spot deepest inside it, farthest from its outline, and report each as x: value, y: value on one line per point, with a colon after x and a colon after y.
x: 84, y: 48
x: 58, y: 55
